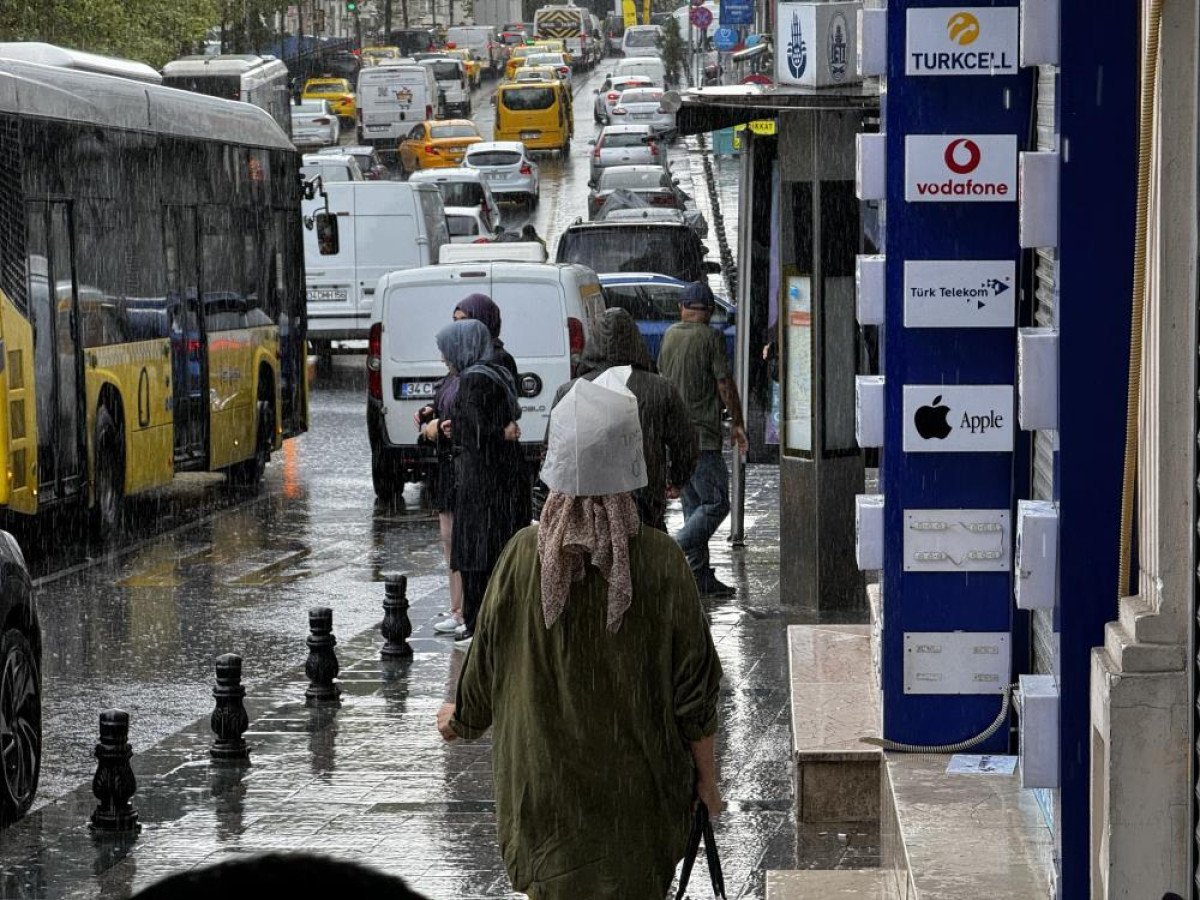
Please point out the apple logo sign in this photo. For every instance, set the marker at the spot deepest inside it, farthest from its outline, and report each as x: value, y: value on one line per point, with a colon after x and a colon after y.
x: 931, y: 420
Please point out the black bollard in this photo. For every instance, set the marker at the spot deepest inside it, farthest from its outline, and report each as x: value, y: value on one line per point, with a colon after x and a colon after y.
x: 229, y: 719
x: 114, y: 783
x: 322, y: 664
x: 396, y: 626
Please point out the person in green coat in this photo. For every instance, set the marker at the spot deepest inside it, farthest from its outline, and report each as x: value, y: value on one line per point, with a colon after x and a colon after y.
x: 594, y: 666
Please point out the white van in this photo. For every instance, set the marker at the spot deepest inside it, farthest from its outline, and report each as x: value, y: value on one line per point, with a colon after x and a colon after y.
x: 642, y: 40
x: 454, y: 91
x: 391, y: 99
x: 382, y: 226
x: 651, y: 67
x: 483, y: 43
x: 548, y: 310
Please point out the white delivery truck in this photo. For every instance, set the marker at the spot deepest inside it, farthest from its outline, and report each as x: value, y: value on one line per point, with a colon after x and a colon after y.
x: 383, y: 226
x: 548, y: 310
x: 496, y: 13
x: 572, y: 25
x: 483, y: 43
x: 391, y: 99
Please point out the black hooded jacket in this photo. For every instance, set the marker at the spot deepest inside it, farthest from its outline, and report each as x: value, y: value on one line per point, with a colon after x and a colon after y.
x: 668, y: 438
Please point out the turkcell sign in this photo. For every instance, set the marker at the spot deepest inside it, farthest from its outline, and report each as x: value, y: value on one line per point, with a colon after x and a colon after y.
x: 954, y: 418
x: 954, y: 40
x: 959, y: 293
x: 960, y: 168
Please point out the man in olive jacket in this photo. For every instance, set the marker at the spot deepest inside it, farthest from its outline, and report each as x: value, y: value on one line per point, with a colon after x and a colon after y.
x: 670, y: 446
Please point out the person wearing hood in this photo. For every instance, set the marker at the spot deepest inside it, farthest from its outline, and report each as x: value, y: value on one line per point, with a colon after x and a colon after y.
x: 669, y: 445
x: 484, y: 308
x: 491, y: 492
x: 594, y: 666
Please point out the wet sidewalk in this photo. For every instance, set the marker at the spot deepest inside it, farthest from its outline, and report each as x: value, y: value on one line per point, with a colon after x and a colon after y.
x: 373, y: 781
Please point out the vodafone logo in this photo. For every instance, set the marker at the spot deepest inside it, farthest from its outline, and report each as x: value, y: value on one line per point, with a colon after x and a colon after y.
x: 958, y: 168
x: 956, y: 149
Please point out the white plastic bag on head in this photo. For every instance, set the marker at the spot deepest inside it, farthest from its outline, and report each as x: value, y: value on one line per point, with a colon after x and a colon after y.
x: 595, y: 443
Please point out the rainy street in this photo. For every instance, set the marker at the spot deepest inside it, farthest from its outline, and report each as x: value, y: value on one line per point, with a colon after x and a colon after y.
x: 205, y: 569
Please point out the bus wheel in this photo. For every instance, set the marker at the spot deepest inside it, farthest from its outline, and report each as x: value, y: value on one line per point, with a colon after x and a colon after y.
x: 249, y: 473
x: 109, y: 484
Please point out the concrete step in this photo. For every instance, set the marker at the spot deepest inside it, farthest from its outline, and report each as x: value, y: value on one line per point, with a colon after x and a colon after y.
x: 830, y: 884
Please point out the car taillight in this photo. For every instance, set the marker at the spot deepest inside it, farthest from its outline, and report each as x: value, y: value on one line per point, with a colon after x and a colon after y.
x: 526, y: 169
x: 653, y: 148
x: 374, y: 362
x: 431, y: 150
x: 576, y: 340
x: 662, y: 200
x: 663, y: 112
x: 596, y: 152
x: 613, y: 95
x: 564, y: 70
x: 428, y: 111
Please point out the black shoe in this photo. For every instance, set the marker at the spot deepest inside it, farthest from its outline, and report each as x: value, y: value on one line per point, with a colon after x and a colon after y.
x: 709, y: 586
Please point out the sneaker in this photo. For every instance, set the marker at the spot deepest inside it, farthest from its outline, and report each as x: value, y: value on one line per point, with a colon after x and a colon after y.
x: 460, y: 629
x: 709, y: 586
x: 462, y: 642
x: 447, y: 626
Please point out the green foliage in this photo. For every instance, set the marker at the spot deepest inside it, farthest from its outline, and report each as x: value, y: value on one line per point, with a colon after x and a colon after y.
x: 672, y: 48
x: 152, y: 31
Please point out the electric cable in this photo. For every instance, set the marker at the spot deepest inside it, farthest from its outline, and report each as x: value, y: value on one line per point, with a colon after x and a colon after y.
x: 997, y: 723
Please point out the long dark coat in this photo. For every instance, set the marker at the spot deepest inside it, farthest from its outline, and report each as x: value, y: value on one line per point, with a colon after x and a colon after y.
x: 491, y: 491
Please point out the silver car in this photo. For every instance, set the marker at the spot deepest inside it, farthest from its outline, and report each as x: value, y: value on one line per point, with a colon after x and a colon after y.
x: 314, y: 124
x: 610, y: 92
x: 507, y: 169
x: 331, y: 167
x: 643, y: 106
x: 626, y: 145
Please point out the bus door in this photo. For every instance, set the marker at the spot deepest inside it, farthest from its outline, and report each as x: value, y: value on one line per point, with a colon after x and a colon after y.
x: 189, y: 376
x: 58, y: 360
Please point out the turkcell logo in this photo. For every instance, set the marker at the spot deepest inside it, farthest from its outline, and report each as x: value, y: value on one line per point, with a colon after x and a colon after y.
x: 962, y: 41
x: 797, y: 53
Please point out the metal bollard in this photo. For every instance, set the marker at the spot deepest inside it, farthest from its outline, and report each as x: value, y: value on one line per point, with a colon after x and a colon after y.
x: 396, y: 627
x: 322, y: 664
x: 114, y: 783
x: 229, y: 719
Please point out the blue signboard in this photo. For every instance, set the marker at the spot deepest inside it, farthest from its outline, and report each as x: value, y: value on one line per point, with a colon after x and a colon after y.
x: 737, y: 12
x: 725, y: 38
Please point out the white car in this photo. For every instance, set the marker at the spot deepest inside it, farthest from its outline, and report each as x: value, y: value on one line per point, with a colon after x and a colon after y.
x: 643, y: 106
x: 331, y: 167
x: 314, y: 124
x: 626, y: 145
x: 467, y: 225
x: 462, y: 187
x: 556, y: 61
x: 507, y: 168
x: 642, y: 40
x: 610, y: 92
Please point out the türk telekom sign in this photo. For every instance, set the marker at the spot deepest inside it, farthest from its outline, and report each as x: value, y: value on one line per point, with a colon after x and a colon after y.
x: 960, y: 168
x: 961, y: 41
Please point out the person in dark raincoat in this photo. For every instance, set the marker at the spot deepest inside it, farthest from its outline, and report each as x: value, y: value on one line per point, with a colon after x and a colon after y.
x: 669, y: 441
x: 594, y: 665
x: 491, y: 492
x: 484, y: 308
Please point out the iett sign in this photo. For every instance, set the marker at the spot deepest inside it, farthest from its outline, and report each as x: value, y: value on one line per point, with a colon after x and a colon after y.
x: 961, y: 41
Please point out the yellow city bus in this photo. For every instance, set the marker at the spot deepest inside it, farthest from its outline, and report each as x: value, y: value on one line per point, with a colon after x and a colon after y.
x: 151, y: 288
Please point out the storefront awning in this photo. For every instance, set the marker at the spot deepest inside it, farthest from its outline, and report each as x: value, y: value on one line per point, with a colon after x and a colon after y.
x: 707, y: 109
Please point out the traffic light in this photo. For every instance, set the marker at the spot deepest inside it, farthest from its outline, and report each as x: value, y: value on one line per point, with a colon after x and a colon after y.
x: 352, y: 7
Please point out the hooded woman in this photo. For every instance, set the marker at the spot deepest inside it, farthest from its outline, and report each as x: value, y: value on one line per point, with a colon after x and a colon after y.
x: 594, y: 664
x: 491, y: 494
x: 484, y: 308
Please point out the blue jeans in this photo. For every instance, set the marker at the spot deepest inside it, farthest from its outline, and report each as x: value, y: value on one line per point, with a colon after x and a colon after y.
x: 705, y: 506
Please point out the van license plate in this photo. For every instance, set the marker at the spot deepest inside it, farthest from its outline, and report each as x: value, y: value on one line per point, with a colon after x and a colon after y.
x: 530, y: 135
x: 326, y: 295
x: 421, y: 389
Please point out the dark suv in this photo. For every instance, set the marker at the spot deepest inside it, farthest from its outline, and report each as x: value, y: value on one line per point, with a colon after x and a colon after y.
x: 665, y: 248
x: 20, y: 685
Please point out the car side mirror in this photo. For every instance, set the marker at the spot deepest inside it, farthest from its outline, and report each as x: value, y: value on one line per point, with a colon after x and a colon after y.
x: 711, y: 267
x: 591, y: 143
x: 327, y: 233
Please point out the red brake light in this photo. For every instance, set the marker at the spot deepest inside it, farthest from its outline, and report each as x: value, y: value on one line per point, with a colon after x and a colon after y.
x: 596, y: 152
x: 431, y: 150
x: 374, y: 363
x: 526, y: 170
x: 653, y: 148
x: 613, y: 95
x: 428, y: 111
x: 576, y: 340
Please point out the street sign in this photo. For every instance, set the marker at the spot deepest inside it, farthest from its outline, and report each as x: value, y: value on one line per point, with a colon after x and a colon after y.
x: 737, y: 12
x: 701, y: 16
x: 725, y: 38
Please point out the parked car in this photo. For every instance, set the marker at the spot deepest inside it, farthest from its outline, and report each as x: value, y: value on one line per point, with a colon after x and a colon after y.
x: 665, y: 248
x: 653, y: 301
x: 625, y: 145
x: 642, y: 40
x: 463, y: 187
x: 367, y: 157
x: 338, y: 92
x: 643, y: 105
x: 507, y: 168
x: 437, y: 143
x: 652, y: 184
x: 609, y: 93
x: 467, y: 225
x: 330, y: 167
x: 548, y: 314
x: 21, y: 682
x: 314, y: 124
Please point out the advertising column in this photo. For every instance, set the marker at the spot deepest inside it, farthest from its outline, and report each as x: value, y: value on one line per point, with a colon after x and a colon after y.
x: 957, y: 111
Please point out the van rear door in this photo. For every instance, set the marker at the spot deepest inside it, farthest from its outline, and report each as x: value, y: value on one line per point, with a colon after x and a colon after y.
x: 386, y: 231
x: 329, y: 278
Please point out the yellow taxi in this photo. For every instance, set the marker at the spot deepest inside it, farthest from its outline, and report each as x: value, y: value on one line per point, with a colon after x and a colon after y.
x: 553, y: 45
x: 437, y: 144
x: 536, y: 73
x: 516, y: 59
x: 337, y: 91
x: 373, y: 56
x: 470, y: 63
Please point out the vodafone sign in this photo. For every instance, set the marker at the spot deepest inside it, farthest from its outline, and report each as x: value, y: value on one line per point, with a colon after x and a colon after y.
x: 960, y: 168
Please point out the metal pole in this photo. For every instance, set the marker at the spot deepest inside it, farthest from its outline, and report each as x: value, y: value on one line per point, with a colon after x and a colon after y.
x: 741, y: 348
